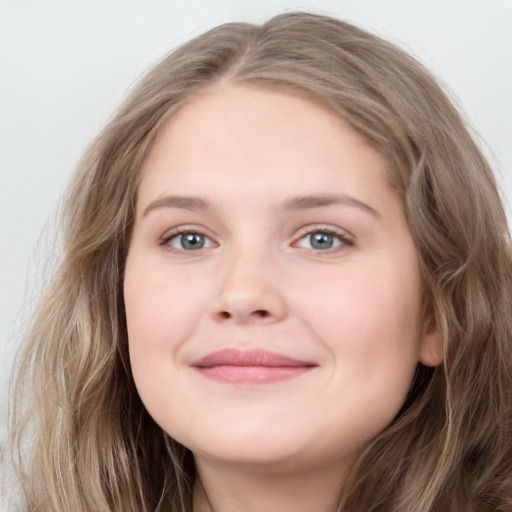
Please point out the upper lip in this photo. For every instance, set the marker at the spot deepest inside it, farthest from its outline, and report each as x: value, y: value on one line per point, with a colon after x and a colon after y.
x: 253, y: 357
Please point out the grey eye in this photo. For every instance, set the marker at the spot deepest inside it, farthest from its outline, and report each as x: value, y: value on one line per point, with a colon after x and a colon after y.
x: 319, y: 240
x: 190, y: 241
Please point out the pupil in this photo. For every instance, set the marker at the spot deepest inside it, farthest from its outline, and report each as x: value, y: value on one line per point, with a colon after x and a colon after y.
x: 192, y: 241
x: 321, y: 241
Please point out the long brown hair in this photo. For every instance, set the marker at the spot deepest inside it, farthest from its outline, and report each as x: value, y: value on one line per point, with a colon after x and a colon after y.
x: 93, y: 445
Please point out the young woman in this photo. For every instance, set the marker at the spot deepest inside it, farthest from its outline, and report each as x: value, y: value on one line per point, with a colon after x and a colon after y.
x: 286, y: 285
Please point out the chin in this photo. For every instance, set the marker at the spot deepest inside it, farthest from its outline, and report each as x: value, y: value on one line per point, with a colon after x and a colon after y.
x: 264, y: 450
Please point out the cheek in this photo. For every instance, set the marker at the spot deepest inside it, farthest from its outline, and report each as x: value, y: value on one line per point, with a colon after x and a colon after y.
x: 370, y: 315
x: 161, y: 315
x: 162, y: 307
x: 162, y: 312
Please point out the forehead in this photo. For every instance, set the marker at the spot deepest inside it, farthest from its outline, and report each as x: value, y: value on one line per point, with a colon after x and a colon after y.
x: 264, y: 145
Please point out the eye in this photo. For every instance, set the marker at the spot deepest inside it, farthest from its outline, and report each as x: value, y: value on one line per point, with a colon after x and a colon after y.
x: 188, y: 241
x: 323, y: 240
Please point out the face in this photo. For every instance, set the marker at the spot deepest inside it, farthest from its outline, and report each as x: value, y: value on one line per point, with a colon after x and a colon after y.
x: 272, y: 288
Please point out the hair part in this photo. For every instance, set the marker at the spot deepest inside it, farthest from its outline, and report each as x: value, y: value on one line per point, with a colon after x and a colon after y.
x: 450, y: 448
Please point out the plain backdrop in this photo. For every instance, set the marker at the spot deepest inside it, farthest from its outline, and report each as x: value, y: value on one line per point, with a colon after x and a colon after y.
x: 65, y: 65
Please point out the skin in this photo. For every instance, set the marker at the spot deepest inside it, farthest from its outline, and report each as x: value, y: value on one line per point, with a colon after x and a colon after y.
x: 354, y: 310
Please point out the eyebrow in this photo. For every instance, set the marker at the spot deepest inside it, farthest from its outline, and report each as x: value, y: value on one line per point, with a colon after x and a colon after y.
x: 295, y: 203
x: 320, y: 200
x: 183, y: 202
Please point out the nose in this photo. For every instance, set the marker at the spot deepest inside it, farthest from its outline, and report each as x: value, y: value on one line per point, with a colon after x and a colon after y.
x: 249, y: 293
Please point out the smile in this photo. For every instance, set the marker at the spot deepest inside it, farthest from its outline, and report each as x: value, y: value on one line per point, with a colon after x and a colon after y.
x: 250, y: 366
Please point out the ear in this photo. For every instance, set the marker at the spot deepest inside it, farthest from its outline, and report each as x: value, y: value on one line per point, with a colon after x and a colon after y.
x: 432, y: 346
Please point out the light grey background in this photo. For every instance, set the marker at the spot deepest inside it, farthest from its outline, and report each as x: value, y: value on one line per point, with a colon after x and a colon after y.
x: 65, y: 65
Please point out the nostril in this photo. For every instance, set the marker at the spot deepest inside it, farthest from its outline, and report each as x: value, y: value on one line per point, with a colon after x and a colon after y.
x: 256, y: 314
x: 261, y: 313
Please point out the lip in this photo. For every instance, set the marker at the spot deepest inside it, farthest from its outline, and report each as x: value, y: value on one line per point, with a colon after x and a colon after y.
x: 250, y: 366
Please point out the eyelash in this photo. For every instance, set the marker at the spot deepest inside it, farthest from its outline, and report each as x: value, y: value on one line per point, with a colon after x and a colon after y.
x: 346, y: 241
x: 166, y: 239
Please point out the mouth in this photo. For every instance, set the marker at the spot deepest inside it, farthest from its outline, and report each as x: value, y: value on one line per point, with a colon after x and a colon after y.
x: 250, y: 366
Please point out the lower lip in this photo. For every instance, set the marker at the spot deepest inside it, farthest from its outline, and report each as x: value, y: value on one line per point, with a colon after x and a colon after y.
x: 252, y: 374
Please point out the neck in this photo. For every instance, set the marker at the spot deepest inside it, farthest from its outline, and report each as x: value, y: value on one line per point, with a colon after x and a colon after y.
x: 224, y: 488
